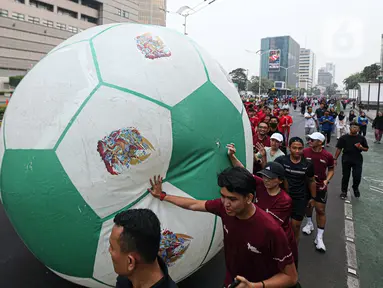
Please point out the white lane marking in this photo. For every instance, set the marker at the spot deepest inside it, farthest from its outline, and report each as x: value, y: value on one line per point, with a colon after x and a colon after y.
x: 381, y: 192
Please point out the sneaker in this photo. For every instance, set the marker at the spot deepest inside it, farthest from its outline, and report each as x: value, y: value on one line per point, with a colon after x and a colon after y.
x: 343, y: 195
x: 309, y: 227
x: 356, y: 193
x: 320, y: 245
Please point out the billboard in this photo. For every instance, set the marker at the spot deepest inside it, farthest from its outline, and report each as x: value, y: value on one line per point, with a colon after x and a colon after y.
x: 274, y: 60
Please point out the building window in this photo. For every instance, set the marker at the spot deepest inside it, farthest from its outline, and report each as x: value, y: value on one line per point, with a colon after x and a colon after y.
x: 119, y: 12
x: 66, y: 12
x: 18, y: 16
x: 88, y: 19
x: 47, y: 23
x: 125, y: 14
x: 60, y: 26
x: 91, y: 4
x: 72, y: 29
x: 41, y: 5
x: 20, y: 1
x: 33, y: 20
x: 3, y: 13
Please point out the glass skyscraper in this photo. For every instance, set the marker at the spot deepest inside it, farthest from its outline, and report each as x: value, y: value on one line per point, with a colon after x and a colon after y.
x: 289, y: 56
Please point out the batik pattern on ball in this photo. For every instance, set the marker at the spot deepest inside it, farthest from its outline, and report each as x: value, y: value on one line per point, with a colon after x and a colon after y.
x: 123, y: 148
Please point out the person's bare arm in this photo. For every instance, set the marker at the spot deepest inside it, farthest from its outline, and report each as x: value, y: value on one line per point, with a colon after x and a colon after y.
x: 233, y: 159
x: 286, y: 185
x: 183, y: 202
x: 337, y: 153
x: 288, y: 277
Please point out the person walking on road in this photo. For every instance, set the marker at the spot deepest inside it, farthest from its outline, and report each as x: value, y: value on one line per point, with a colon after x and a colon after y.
x: 341, y: 125
x: 319, y: 113
x: 251, y: 237
x: 310, y: 121
x: 299, y: 175
x: 327, y: 122
x: 352, y: 146
x: 377, y: 124
x: 323, y: 163
x: 269, y: 154
x: 363, y: 122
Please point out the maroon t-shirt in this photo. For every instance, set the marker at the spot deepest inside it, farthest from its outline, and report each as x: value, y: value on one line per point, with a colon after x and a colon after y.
x: 321, y: 161
x: 280, y: 208
x: 255, y: 248
x: 265, y: 141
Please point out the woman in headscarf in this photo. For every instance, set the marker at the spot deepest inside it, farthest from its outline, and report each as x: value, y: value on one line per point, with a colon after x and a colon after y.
x: 351, y: 116
x: 341, y: 125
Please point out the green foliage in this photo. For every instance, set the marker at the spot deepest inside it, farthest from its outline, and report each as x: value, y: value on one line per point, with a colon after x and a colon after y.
x: 239, y: 76
x: 315, y: 91
x: 331, y: 90
x: 369, y: 73
x: 266, y: 85
x: 2, y: 111
x: 15, y: 80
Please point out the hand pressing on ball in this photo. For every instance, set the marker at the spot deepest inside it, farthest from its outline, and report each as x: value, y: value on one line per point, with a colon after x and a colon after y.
x: 156, y: 188
x: 231, y: 149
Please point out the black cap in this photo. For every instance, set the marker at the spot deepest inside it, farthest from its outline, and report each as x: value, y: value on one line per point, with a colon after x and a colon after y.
x: 273, y: 170
x: 296, y: 139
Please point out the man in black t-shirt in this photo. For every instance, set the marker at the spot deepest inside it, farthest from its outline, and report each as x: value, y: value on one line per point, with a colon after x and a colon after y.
x: 352, y: 146
x: 299, y: 181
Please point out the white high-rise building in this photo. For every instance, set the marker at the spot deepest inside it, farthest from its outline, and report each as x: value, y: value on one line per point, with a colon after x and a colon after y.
x: 306, y: 69
x: 330, y: 67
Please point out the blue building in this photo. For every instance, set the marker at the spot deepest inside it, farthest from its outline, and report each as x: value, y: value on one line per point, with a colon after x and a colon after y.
x: 287, y: 50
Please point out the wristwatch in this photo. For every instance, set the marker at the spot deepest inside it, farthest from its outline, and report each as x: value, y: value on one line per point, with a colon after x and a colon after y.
x: 162, y: 195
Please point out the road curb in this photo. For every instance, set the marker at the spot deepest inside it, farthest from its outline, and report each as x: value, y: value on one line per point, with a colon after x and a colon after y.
x: 351, y: 258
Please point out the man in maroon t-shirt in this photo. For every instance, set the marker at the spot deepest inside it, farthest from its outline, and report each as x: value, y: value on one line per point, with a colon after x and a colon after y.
x: 271, y: 198
x: 323, y: 163
x: 262, y: 137
x: 256, y: 248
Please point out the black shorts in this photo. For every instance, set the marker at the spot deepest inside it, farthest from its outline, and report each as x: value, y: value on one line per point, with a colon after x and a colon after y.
x: 299, y: 209
x: 321, y: 196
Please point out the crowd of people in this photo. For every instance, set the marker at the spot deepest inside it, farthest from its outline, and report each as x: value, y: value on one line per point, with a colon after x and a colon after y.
x: 261, y: 212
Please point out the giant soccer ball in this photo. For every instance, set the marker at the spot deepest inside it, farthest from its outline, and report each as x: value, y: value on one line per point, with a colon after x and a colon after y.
x: 92, y: 121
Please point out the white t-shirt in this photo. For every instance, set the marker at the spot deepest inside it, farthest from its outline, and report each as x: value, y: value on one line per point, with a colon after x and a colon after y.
x: 310, y: 123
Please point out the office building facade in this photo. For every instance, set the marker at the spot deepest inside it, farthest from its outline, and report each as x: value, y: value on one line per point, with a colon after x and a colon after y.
x: 330, y: 68
x: 289, y: 51
x: 325, y: 78
x: 29, y: 29
x: 152, y: 12
x: 306, y: 69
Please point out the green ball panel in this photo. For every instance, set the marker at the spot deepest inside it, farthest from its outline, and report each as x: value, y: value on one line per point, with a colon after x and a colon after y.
x: 203, y: 124
x: 48, y: 213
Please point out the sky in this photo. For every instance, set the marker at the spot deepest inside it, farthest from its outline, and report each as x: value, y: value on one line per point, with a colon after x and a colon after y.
x: 345, y: 32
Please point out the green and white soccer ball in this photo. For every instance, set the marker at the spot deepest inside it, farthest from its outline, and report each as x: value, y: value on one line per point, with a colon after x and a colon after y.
x: 92, y: 121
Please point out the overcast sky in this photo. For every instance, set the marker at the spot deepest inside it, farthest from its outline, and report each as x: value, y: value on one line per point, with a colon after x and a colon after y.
x: 227, y: 27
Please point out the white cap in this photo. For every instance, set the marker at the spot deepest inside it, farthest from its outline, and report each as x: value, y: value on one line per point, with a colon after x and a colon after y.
x: 277, y: 137
x: 317, y: 136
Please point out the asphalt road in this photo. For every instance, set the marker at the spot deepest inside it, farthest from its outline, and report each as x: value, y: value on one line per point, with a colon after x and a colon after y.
x: 19, y: 268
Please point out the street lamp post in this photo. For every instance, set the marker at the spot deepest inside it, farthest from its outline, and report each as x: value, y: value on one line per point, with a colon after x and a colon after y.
x: 286, y: 77
x: 380, y: 78
x: 368, y: 99
x: 260, y: 52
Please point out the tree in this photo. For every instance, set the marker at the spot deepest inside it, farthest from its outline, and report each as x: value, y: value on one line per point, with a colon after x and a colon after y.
x: 15, y: 80
x: 370, y: 73
x: 351, y: 82
x: 331, y: 90
x: 266, y: 85
x: 239, y: 76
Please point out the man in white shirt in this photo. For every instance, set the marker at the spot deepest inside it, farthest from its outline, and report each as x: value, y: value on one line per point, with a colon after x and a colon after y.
x: 269, y: 154
x: 310, y: 121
